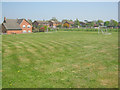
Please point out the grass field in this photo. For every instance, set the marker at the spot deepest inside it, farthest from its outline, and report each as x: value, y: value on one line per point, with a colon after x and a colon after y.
x: 60, y: 60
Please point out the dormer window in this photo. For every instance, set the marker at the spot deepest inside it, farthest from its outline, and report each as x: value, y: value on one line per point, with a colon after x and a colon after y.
x: 28, y: 26
x: 23, y: 26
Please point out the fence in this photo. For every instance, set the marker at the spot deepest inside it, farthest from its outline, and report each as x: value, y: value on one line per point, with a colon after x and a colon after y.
x: 86, y: 29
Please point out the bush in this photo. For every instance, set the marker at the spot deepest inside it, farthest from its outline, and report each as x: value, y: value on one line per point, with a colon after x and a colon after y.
x: 42, y: 29
x: 36, y: 30
x: 88, y: 29
x: 59, y: 26
x: 45, y: 27
x: 49, y: 29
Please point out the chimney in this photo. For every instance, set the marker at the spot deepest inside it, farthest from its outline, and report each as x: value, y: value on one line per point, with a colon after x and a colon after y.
x: 4, y: 19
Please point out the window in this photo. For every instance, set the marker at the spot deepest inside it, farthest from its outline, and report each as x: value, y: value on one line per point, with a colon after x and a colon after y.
x: 23, y: 26
x: 24, y: 31
x: 29, y: 31
x: 28, y: 26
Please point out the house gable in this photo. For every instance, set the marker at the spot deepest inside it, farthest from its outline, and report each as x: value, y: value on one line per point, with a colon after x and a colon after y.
x: 35, y: 23
x: 25, y: 26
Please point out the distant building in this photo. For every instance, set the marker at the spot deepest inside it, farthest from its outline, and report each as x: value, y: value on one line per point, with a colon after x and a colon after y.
x: 16, y: 26
x: 36, y: 23
x: 54, y: 24
x: 66, y: 24
x: 82, y: 24
x: 96, y: 26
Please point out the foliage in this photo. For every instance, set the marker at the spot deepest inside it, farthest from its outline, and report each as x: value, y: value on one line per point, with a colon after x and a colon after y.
x: 45, y: 27
x: 35, y: 26
x: 30, y: 21
x: 100, y: 21
x: 106, y: 23
x: 76, y: 23
x: 54, y: 19
x: 71, y: 20
x: 49, y: 29
x: 59, y: 26
x: 64, y: 20
x: 88, y: 29
x: 42, y: 29
x: 113, y: 23
x: 36, y: 30
x: 39, y: 26
x: 90, y: 24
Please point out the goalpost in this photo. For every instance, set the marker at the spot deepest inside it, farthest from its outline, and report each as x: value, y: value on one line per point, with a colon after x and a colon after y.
x: 100, y: 29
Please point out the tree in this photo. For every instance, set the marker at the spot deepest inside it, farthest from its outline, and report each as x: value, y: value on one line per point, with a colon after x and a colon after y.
x: 46, y: 28
x: 59, y: 26
x: 35, y: 26
x: 54, y: 19
x: 30, y: 21
x: 99, y: 22
x: 76, y: 23
x: 71, y: 20
x: 64, y: 20
x: 106, y: 23
x: 39, y: 26
x: 90, y: 24
x: 113, y: 23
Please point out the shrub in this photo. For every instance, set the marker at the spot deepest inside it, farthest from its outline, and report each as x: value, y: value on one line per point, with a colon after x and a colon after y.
x: 49, y: 29
x: 42, y: 29
x: 39, y: 26
x: 59, y: 26
x: 36, y: 30
x: 45, y: 27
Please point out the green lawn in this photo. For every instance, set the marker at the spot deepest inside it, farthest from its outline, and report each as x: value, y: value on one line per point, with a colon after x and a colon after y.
x: 60, y: 60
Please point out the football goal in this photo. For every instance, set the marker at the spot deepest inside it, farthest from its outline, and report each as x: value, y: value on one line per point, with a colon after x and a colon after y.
x: 103, y: 30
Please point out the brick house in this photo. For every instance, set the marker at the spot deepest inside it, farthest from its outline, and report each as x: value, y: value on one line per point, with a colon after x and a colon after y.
x: 16, y: 26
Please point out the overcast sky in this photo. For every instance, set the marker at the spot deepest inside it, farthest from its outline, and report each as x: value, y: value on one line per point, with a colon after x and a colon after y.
x: 61, y: 10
